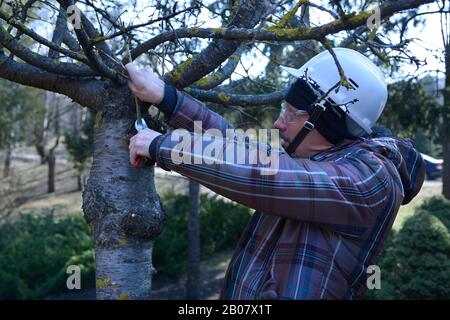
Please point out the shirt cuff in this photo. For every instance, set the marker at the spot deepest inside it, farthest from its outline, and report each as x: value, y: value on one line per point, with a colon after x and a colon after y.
x: 152, y: 148
x: 169, y: 101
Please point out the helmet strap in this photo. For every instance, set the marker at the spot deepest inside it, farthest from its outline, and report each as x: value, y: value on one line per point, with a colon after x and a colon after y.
x: 317, y: 109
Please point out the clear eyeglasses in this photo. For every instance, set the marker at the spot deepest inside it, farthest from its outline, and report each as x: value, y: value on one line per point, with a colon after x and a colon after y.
x: 290, y: 116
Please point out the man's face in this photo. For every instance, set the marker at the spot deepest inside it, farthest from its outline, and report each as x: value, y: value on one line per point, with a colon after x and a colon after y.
x: 290, y: 124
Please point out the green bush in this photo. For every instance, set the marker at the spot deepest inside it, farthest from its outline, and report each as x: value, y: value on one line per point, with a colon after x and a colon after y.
x: 439, y: 207
x: 221, y: 224
x: 423, y: 257
x: 415, y: 263
x: 35, y: 252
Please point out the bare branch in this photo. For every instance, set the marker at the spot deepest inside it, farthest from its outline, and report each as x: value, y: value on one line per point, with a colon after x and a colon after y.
x: 340, y: 10
x: 23, y: 29
x: 236, y: 99
x: 329, y: 47
x: 24, y: 12
x: 89, y: 30
x: 321, y: 8
x: 137, y: 26
x: 247, y: 15
x: 87, y: 92
x: 40, y: 61
x: 287, y: 17
x: 221, y: 75
x: 58, y: 32
x: 94, y: 58
x: 83, y: 35
x: 348, y: 22
x: 72, y: 44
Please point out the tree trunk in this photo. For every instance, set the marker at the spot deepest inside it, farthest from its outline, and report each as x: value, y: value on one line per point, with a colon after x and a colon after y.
x: 42, y: 135
x: 51, y: 171
x: 80, y: 182
x: 193, y: 274
x: 122, y: 207
x: 446, y: 126
x: 7, y: 163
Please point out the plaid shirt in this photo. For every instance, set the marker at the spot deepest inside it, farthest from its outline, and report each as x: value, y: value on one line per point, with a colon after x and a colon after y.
x: 319, y: 222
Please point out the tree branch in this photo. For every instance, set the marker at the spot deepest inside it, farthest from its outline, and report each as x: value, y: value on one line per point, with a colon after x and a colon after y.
x: 90, y: 33
x: 72, y: 44
x: 39, y: 39
x: 93, y: 57
x: 136, y: 26
x: 40, y: 61
x: 86, y: 92
x: 58, y: 32
x: 221, y: 75
x: 24, y: 13
x: 236, y: 99
x: 348, y: 22
x: 247, y: 15
x: 344, y: 81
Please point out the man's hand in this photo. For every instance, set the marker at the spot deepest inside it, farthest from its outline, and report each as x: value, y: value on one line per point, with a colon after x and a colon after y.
x: 145, y: 84
x: 140, y: 143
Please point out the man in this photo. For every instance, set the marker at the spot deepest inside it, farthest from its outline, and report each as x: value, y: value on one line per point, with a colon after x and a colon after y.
x: 322, y: 218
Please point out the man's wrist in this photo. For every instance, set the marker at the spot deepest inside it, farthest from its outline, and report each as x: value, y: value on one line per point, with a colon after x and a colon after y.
x: 169, y: 101
x: 152, y: 148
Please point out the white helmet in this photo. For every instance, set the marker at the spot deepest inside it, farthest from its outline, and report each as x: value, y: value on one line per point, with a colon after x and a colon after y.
x: 369, y: 86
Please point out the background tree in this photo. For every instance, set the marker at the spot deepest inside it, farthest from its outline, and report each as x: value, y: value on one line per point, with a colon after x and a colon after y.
x: 16, y: 111
x: 413, y: 112
x: 119, y: 201
x: 46, y: 125
x: 79, y: 145
x: 445, y: 29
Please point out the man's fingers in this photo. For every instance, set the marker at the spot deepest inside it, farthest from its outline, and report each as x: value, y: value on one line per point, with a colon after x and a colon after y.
x: 132, y: 149
x: 132, y: 86
x: 132, y: 70
x: 133, y: 156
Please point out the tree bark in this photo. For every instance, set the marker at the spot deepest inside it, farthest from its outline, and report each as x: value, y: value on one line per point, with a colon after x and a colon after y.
x: 193, y: 274
x: 446, y: 126
x: 122, y: 207
x: 51, y: 171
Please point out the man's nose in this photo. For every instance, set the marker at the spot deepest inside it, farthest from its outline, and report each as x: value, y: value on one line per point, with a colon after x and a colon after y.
x: 279, y: 124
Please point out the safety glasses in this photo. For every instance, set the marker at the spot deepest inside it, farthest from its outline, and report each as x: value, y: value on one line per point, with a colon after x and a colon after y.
x: 291, y: 116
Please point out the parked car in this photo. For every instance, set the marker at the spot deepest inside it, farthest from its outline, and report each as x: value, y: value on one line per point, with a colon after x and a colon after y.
x: 434, y: 167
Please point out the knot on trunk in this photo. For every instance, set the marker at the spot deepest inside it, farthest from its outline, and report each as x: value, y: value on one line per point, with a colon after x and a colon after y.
x: 115, y: 224
x: 144, y: 224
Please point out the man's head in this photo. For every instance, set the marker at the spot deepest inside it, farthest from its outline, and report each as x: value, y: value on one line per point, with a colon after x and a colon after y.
x: 333, y: 115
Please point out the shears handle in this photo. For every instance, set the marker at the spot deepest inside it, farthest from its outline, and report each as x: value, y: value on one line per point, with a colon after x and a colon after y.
x: 140, y: 160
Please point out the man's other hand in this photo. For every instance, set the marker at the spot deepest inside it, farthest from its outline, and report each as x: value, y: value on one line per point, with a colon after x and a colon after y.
x: 140, y: 143
x: 145, y: 84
